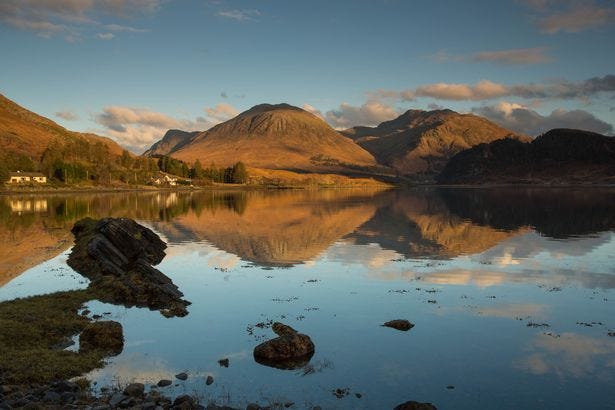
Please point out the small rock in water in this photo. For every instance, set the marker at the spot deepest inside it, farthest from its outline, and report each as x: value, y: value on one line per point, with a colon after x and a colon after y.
x: 450, y: 387
x: 209, y: 381
x: 612, y: 334
x: 415, y: 405
x: 341, y: 393
x: 223, y: 362
x: 399, y: 324
x: 134, y: 390
x: 181, y: 376
x: 290, y: 350
x: 164, y: 383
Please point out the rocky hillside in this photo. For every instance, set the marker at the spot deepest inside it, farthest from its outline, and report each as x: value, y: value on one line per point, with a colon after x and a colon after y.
x: 419, y: 143
x: 275, y: 137
x: 23, y: 132
x: 558, y: 156
x: 172, y: 140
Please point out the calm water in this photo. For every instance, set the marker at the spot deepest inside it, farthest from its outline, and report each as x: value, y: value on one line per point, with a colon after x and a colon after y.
x: 511, y: 292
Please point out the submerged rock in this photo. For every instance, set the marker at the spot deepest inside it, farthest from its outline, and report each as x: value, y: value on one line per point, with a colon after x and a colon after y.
x: 399, y: 324
x: 106, y: 336
x: 116, y: 254
x: 290, y: 350
x: 415, y: 405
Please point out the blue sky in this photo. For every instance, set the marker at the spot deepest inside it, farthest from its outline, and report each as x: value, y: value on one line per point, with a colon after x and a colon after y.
x: 131, y: 69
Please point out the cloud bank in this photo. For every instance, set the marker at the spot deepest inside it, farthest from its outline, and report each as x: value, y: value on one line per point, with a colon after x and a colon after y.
x: 138, y: 128
x: 524, y: 120
x: 70, y: 18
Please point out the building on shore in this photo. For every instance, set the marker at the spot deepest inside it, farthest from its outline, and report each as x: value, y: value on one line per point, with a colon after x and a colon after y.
x: 22, y: 177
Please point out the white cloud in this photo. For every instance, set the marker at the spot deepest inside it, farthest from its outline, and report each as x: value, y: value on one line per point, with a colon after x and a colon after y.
x: 70, y: 18
x: 517, y: 56
x: 522, y: 119
x: 487, y: 90
x: 311, y: 109
x: 105, y: 36
x: 369, y: 114
x: 221, y: 112
x: 577, y: 19
x: 482, y: 90
x: 67, y: 115
x: 239, y: 15
x: 138, y: 128
x: 521, y: 56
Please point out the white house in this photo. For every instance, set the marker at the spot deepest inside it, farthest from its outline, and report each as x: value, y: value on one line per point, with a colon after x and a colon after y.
x: 21, y: 177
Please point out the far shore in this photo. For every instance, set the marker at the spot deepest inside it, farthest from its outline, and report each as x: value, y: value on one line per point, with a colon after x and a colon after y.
x: 77, y: 189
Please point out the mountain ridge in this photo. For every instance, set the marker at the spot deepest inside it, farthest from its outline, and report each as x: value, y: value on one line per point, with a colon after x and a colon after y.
x: 421, y: 142
x: 558, y: 156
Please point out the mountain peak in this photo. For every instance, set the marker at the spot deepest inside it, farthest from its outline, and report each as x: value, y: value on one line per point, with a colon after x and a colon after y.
x: 420, y: 142
x: 275, y: 136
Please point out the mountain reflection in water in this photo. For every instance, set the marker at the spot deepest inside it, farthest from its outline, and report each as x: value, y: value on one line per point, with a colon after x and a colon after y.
x: 510, y: 290
x: 285, y: 228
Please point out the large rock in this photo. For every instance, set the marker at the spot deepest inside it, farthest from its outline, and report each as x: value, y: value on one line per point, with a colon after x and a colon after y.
x: 290, y: 350
x: 399, y: 324
x: 415, y: 405
x: 107, y: 336
x: 116, y: 254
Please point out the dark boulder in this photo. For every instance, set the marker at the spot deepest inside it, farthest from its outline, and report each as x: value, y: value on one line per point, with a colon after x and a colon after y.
x: 399, y: 324
x: 106, y: 336
x: 415, y: 405
x: 290, y: 350
x: 117, y: 255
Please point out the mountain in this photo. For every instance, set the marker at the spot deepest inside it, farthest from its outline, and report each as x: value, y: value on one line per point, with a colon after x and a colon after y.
x: 23, y: 132
x: 421, y: 142
x: 558, y: 156
x: 172, y: 140
x: 275, y: 137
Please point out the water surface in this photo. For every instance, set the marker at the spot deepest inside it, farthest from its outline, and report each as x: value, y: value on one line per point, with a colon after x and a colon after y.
x: 511, y: 292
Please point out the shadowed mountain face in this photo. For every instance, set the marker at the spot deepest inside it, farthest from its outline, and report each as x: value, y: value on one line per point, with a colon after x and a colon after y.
x: 172, y: 140
x: 420, y: 224
x: 274, y: 137
x: 560, y: 155
x: 26, y: 133
x: 421, y: 142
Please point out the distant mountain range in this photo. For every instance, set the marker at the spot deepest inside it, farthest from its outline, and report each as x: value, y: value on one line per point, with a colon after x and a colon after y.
x: 424, y: 146
x: 421, y: 142
x: 560, y: 155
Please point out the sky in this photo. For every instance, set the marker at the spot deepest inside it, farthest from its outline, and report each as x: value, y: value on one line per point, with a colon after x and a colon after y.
x: 132, y: 69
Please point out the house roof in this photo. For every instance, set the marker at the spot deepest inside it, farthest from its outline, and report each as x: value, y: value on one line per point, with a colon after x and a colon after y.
x: 26, y: 174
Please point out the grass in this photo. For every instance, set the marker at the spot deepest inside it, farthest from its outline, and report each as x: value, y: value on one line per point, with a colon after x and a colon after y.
x: 32, y: 326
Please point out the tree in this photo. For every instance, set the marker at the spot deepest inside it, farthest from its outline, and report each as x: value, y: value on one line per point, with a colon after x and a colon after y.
x: 197, y: 170
x: 239, y: 173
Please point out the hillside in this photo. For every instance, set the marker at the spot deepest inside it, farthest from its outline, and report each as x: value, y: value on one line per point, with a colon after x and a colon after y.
x: 558, y: 156
x: 23, y: 132
x: 275, y: 137
x: 419, y: 143
x: 172, y: 140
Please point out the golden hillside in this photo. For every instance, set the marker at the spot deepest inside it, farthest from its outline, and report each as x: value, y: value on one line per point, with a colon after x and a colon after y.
x: 26, y: 133
x: 421, y: 142
x: 275, y: 137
